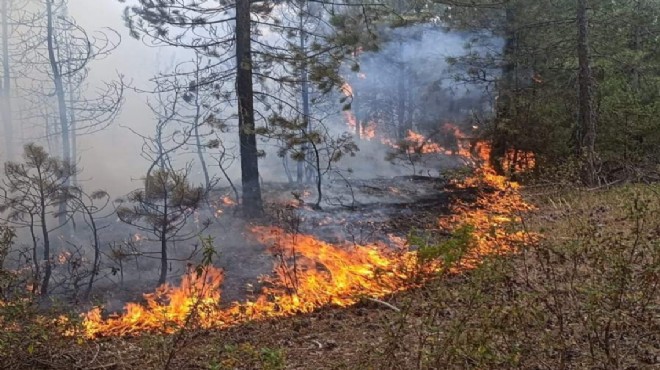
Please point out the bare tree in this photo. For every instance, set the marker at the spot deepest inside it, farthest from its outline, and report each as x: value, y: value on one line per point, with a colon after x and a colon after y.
x: 53, y: 65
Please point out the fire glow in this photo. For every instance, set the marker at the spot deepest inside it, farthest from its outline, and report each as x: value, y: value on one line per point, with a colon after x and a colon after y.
x: 310, y: 273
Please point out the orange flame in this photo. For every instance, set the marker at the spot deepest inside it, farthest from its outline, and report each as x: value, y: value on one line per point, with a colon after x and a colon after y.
x: 517, y: 161
x: 310, y: 273
x: 228, y: 201
x: 423, y: 144
x: 167, y: 309
x: 345, y: 276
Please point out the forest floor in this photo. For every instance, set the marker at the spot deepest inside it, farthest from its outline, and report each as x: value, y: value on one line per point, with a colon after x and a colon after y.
x: 585, y: 296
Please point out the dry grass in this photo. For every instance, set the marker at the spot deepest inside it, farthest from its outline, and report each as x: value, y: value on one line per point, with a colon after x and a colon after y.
x: 585, y: 297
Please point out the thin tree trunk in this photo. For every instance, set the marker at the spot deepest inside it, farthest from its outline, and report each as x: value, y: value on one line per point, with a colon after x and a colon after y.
x: 586, y: 119
x: 319, y: 177
x: 198, y: 140
x: 35, y: 256
x: 506, y: 91
x: 163, y: 257
x: 305, y: 99
x: 46, y: 239
x: 97, y: 253
x: 401, y: 94
x: 59, y: 93
x: 163, y: 242
x: 252, y: 203
x: 5, y: 91
x: 74, y: 135
x: 59, y: 84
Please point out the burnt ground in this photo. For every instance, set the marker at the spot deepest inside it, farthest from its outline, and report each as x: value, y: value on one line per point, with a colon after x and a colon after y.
x: 354, y: 211
x: 358, y: 211
x: 382, y: 210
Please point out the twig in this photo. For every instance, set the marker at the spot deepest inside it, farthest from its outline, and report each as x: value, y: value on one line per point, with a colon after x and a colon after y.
x: 98, y: 349
x: 388, y: 305
x: 103, y: 366
x: 605, y: 186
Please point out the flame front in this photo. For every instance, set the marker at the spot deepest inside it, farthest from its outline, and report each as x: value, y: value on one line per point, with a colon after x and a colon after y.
x: 345, y: 273
x: 167, y: 309
x: 310, y: 273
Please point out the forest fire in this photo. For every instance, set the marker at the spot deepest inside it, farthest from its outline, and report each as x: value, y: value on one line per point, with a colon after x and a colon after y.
x: 309, y: 273
x: 167, y: 309
x: 298, y: 286
x: 499, y: 205
x: 419, y: 142
x: 516, y: 161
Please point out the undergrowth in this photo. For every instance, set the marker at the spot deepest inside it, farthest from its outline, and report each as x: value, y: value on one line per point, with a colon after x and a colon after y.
x: 585, y: 297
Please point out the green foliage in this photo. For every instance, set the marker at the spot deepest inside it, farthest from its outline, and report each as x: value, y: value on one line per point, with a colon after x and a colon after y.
x: 449, y: 251
x: 163, y: 205
x: 537, y: 104
x: 246, y: 356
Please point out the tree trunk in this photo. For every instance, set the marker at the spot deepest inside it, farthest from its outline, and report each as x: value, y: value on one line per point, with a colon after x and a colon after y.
x: 163, y: 257
x: 252, y: 203
x: 586, y: 119
x: 5, y: 90
x: 401, y: 96
x: 163, y: 237
x: 46, y: 240
x: 59, y: 93
x: 74, y: 136
x: 305, y: 100
x: 97, y: 253
x: 198, y: 140
x: 506, y: 91
x: 35, y: 255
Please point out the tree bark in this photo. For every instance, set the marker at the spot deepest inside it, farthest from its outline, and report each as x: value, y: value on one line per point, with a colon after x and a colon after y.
x: 252, y: 203
x: 97, y: 253
x: 586, y: 119
x: 5, y: 90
